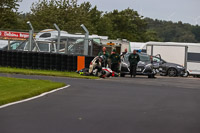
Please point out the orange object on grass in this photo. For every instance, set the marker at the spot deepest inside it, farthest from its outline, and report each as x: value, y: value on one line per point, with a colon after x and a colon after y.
x: 80, y: 62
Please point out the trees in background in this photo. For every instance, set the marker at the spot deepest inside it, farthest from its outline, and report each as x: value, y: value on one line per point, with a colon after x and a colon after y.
x: 168, y: 31
x: 69, y: 15
x: 125, y: 24
x: 8, y: 13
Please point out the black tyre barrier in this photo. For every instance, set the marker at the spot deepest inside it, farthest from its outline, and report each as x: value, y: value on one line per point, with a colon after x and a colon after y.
x: 4, y: 58
x: 24, y: 59
x: 53, y: 61
x: 40, y: 60
x: 74, y: 63
x: 70, y: 63
x: 19, y: 59
x: 34, y: 60
x: 29, y: 60
x: 47, y: 61
x: 58, y: 61
x: 9, y: 57
x: 14, y: 59
x: 88, y: 59
x: 64, y: 65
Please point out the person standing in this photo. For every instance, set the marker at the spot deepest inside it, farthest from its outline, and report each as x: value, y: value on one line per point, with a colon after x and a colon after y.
x: 133, y: 58
x: 122, y: 57
x: 123, y: 53
x: 105, y: 54
x: 115, y: 61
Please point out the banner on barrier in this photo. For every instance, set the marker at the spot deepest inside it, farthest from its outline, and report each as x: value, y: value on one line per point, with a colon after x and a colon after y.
x: 13, y: 35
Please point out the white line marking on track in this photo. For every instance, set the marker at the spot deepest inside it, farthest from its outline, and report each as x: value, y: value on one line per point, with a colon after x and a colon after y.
x: 35, y: 97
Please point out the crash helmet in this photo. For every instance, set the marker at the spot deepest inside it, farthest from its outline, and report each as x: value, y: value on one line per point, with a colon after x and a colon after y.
x: 103, y: 58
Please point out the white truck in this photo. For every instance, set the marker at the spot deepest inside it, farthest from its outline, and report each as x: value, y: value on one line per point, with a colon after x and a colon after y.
x: 185, y: 54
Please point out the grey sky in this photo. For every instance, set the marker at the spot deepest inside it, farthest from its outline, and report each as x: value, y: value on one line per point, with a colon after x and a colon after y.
x: 187, y: 11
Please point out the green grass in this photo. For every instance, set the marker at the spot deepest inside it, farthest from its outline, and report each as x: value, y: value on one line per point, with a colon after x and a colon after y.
x: 13, y: 89
x: 44, y: 72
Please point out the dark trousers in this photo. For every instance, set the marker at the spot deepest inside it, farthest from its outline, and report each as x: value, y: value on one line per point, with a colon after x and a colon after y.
x: 115, y: 67
x: 104, y: 63
x: 133, y: 68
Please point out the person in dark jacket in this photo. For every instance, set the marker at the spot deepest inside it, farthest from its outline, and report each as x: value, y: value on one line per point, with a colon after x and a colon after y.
x: 115, y: 61
x: 105, y: 55
x: 133, y: 58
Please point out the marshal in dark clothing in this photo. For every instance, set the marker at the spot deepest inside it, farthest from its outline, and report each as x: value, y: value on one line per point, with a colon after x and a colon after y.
x: 105, y: 54
x: 115, y: 61
x: 133, y: 58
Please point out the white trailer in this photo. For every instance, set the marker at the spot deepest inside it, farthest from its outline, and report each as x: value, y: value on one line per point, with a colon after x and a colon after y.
x: 185, y: 54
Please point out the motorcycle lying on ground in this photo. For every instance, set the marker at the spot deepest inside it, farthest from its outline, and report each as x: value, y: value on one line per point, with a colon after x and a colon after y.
x: 97, y: 68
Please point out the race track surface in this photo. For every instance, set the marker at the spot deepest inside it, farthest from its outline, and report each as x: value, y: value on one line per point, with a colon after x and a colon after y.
x: 113, y: 105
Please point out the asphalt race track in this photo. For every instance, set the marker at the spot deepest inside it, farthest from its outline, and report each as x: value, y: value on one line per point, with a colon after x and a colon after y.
x: 114, y: 105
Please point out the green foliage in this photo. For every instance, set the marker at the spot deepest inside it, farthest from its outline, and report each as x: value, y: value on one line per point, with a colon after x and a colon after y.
x: 43, y: 72
x: 8, y: 13
x: 126, y: 24
x: 69, y: 15
x: 168, y: 31
x: 105, y: 27
x: 151, y: 35
x: 196, y: 32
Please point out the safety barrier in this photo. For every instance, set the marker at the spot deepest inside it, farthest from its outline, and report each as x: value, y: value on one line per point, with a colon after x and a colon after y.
x: 45, y: 61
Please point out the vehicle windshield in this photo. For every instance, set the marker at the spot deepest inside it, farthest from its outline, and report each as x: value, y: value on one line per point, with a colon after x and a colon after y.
x: 156, y: 59
x: 14, y: 45
x: 143, y: 57
x: 43, y: 47
x: 22, y: 45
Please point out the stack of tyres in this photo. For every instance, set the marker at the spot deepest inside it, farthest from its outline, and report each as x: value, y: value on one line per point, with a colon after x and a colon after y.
x: 29, y: 59
x: 58, y: 62
x: 64, y: 65
x: 70, y: 62
x: 0, y: 57
x: 41, y: 60
x: 4, y: 58
x: 88, y: 59
x: 19, y: 59
x: 24, y: 59
x: 47, y: 61
x: 34, y: 60
x: 14, y: 59
x: 9, y: 58
x: 74, y: 63
x: 53, y: 61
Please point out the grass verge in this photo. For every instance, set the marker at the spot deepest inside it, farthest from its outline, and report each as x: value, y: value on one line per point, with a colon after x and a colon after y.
x: 13, y: 89
x: 44, y: 72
